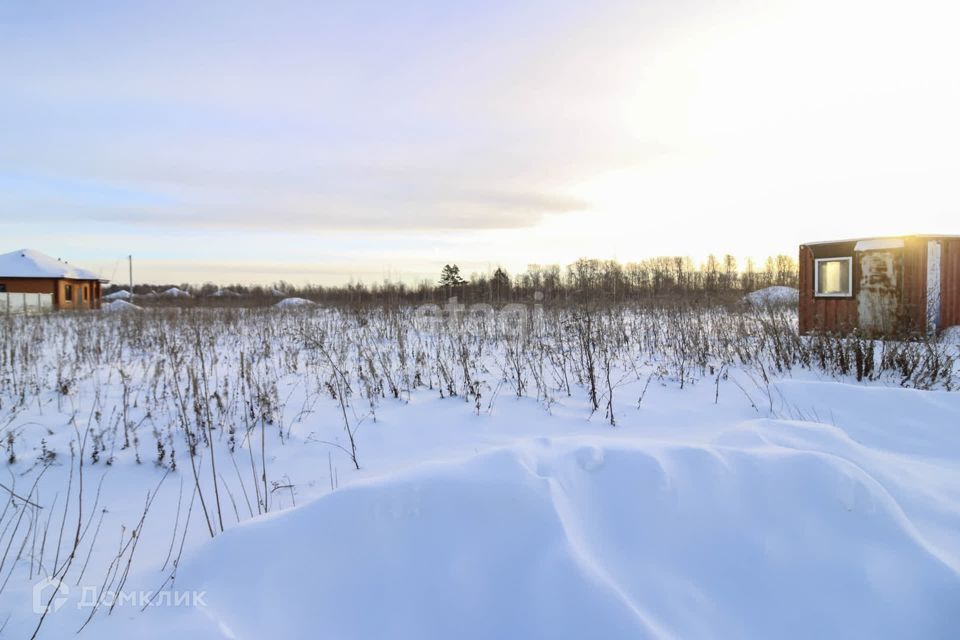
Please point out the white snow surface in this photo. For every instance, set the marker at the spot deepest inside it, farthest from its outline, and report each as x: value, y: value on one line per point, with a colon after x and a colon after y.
x: 294, y: 302
x: 764, y: 532
x: 688, y: 523
x: 951, y: 335
x: 27, y: 263
x: 122, y: 294
x: 119, y: 305
x: 772, y: 295
x: 812, y: 508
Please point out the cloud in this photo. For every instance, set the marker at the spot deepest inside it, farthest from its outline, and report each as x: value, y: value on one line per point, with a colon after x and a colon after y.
x: 367, y: 117
x: 377, y: 204
x: 450, y: 212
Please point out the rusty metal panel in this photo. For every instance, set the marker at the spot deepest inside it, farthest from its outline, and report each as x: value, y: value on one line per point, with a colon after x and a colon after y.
x: 840, y: 249
x: 878, y: 298
x: 913, y: 316
x: 950, y: 282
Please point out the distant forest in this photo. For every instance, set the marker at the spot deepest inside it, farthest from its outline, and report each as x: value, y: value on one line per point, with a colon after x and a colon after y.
x: 583, y: 279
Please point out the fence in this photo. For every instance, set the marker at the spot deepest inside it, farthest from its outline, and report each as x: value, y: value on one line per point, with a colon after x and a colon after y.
x: 25, y: 302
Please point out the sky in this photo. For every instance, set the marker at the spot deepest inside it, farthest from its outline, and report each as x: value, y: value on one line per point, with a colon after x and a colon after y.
x: 329, y: 142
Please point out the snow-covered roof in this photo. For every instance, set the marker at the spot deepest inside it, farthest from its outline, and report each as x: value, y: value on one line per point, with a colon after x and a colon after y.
x: 881, y: 238
x: 877, y: 244
x: 27, y: 263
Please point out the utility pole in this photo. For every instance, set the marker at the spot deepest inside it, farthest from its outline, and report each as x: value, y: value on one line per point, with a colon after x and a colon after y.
x: 130, y: 264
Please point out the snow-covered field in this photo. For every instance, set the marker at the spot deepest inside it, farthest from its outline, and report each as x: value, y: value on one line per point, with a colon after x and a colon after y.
x: 674, y: 473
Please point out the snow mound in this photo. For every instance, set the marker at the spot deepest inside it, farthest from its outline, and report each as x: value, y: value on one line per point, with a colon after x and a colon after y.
x: 123, y: 294
x: 569, y: 538
x: 119, y: 305
x: 287, y: 303
x: 772, y: 296
x: 224, y: 293
x: 175, y: 292
x: 951, y: 335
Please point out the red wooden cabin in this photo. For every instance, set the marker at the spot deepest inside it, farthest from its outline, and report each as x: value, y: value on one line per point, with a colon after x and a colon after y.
x: 880, y: 286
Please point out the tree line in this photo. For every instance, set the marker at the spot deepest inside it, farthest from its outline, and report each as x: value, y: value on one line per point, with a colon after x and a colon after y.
x: 584, y: 279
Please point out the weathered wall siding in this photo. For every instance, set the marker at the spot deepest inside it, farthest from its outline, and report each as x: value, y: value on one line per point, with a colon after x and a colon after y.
x: 914, y: 287
x: 950, y: 282
x: 824, y: 314
x: 805, y: 284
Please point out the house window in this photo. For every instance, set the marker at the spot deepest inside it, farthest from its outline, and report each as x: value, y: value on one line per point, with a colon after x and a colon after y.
x: 68, y: 292
x: 833, y: 277
x: 84, y: 293
x: 3, y: 288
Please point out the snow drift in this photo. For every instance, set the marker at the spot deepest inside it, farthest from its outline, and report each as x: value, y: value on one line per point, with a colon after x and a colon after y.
x: 119, y: 305
x: 176, y: 292
x: 774, y: 529
x: 288, y: 303
x: 772, y: 296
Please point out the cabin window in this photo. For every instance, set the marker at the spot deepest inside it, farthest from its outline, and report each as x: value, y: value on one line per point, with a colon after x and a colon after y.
x: 3, y: 288
x: 68, y: 292
x: 833, y: 277
x: 84, y: 293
